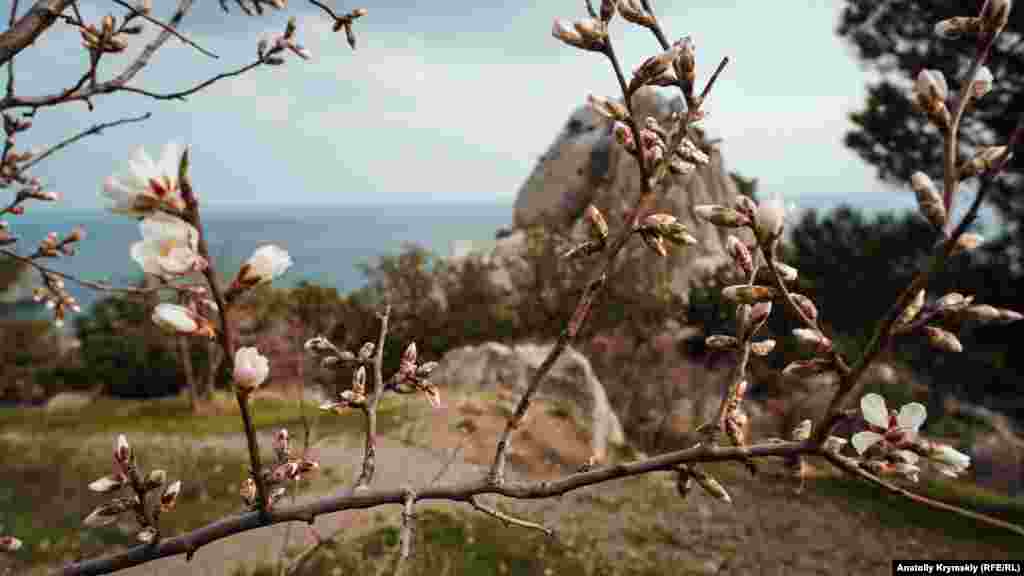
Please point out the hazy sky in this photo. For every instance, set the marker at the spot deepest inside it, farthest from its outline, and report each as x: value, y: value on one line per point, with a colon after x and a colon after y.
x: 445, y: 101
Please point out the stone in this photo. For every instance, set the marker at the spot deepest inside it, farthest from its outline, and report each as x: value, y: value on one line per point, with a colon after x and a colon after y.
x: 494, y: 367
x: 68, y: 401
x: 585, y: 165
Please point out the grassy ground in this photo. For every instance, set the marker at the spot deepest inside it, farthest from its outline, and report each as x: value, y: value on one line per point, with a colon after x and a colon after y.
x: 635, y: 527
x: 173, y: 416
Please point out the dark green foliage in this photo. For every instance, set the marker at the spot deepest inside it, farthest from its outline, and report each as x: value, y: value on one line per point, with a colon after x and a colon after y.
x: 890, y: 135
x: 124, y: 351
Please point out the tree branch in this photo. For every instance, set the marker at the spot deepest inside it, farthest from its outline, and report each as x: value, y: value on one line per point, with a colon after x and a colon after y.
x: 24, y: 32
x: 136, y: 13
x: 851, y: 468
x: 370, y: 410
x: 95, y: 129
x: 509, y: 520
x: 192, y: 541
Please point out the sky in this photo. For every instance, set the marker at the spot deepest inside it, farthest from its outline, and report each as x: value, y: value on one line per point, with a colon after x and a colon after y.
x: 444, y: 101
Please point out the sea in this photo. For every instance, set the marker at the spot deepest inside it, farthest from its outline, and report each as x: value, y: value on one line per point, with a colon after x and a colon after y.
x: 327, y: 243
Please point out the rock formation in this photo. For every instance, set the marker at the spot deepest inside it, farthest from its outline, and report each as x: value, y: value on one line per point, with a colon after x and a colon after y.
x: 496, y: 367
x: 585, y: 165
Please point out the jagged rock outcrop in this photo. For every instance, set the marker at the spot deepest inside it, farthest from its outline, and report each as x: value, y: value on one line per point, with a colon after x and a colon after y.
x: 585, y: 165
x: 493, y: 366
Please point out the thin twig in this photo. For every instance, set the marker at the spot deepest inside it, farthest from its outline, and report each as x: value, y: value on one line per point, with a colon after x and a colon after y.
x: 226, y: 340
x: 102, y: 286
x: 95, y: 129
x: 181, y: 95
x: 509, y: 520
x: 135, y: 12
x: 855, y: 470
x: 370, y: 409
x: 883, y: 332
x: 593, y: 288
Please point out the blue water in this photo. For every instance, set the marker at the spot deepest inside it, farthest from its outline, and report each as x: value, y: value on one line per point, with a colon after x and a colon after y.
x: 326, y: 243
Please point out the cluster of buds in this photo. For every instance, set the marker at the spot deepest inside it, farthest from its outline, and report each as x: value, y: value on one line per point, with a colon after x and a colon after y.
x: 589, y: 34
x: 674, y: 67
x: 766, y: 219
x: 413, y: 377
x: 930, y: 94
x: 346, y: 21
x: 53, y: 295
x: 53, y: 246
x: 286, y: 468
x: 127, y: 474
x: 107, y: 38
x: 735, y: 422
x: 354, y: 397
x: 268, y: 48
x: 951, y: 310
x: 11, y: 170
x: 655, y: 141
x: 655, y: 229
x: 597, y: 231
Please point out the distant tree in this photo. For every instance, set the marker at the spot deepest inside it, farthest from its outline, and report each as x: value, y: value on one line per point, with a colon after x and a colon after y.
x: 897, y: 38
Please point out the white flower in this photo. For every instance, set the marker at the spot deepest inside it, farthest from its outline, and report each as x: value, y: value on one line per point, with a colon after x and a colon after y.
x: 180, y: 320
x: 771, y: 217
x: 169, y: 246
x: 902, y: 428
x: 251, y: 368
x: 949, y: 460
x: 148, y: 185
x: 982, y: 82
x: 265, y: 264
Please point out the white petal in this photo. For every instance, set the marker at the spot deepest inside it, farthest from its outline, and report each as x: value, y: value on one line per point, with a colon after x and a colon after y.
x: 874, y: 410
x: 911, y: 416
x: 169, y: 160
x: 175, y: 318
x: 863, y: 440
x: 141, y: 165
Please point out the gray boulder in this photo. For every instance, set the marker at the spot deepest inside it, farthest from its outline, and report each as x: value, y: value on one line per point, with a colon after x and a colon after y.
x: 496, y: 367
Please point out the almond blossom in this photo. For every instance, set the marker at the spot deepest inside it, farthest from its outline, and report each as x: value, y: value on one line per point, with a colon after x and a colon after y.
x: 265, y: 264
x: 169, y: 246
x: 896, y: 429
x: 770, y: 218
x: 181, y: 320
x: 251, y: 368
x: 148, y: 186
